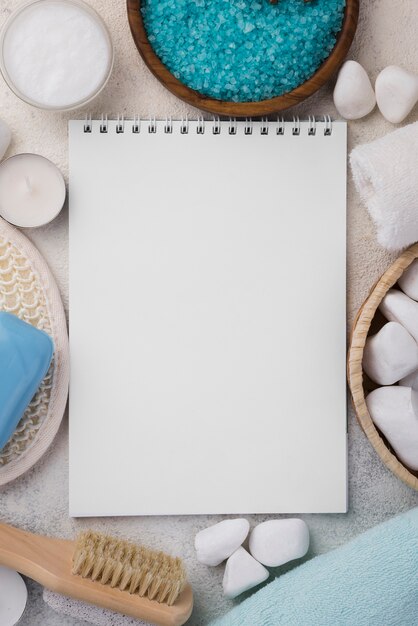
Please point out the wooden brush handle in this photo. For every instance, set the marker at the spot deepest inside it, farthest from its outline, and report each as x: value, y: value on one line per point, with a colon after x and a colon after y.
x: 33, y: 555
x: 48, y: 561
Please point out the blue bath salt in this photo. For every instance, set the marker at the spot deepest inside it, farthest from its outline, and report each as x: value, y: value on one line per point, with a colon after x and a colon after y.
x: 242, y: 50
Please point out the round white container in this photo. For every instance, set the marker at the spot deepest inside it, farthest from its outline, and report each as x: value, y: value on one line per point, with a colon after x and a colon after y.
x: 32, y: 190
x: 56, y: 54
x: 13, y: 597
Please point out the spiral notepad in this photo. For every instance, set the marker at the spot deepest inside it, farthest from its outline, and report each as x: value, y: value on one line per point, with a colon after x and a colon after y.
x: 207, y: 316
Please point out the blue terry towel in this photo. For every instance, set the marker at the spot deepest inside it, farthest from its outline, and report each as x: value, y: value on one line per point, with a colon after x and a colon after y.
x: 370, y: 581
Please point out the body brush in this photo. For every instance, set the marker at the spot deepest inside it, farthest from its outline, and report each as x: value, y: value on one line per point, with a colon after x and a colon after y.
x: 105, y: 571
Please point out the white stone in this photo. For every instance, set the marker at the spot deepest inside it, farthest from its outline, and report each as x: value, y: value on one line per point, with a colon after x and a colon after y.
x: 5, y: 138
x: 390, y: 355
x: 410, y: 381
x: 242, y: 572
x: 398, y: 307
x: 216, y: 543
x: 408, y: 282
x: 391, y: 410
x: 396, y: 93
x: 353, y: 93
x: 276, y: 542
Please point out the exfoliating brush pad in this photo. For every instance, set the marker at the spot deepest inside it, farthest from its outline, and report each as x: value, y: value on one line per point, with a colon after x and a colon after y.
x: 25, y: 356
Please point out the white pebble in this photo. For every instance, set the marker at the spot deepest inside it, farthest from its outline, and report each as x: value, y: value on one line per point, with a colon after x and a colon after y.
x: 276, y: 542
x: 242, y: 572
x: 391, y: 410
x: 353, y: 93
x: 390, y: 355
x: 397, y: 307
x: 5, y: 138
x: 216, y: 543
x: 396, y: 93
x: 408, y: 282
x: 410, y: 381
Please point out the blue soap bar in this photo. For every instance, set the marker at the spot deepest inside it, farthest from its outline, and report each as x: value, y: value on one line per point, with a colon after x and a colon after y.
x: 25, y: 357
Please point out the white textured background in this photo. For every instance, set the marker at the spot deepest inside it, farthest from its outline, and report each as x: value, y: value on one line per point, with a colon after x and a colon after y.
x: 39, y: 500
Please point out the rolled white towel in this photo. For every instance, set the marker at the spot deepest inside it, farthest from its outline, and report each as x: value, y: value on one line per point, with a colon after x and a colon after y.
x: 385, y: 175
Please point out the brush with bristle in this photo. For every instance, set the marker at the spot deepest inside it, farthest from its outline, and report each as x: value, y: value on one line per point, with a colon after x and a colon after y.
x: 104, y: 571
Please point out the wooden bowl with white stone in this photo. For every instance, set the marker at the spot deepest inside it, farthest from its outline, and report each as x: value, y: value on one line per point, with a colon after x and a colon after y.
x: 368, y: 321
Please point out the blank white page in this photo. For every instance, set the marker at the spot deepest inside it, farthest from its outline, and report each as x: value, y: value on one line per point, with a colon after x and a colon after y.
x: 207, y: 320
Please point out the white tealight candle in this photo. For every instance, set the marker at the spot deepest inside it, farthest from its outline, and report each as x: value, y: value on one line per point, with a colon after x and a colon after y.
x: 32, y: 190
x: 56, y: 54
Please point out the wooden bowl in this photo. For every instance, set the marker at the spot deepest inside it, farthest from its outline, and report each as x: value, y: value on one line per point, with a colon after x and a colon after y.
x: 244, y: 109
x: 369, y: 321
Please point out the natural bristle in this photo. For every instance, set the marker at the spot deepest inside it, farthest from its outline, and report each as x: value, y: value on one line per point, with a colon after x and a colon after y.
x: 131, y: 568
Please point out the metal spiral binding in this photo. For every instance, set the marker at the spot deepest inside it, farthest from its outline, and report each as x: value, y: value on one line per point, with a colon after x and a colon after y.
x: 168, y: 127
x: 184, y: 126
x: 136, y: 126
x: 248, y: 128
x: 87, y: 124
x: 312, y: 125
x: 216, y: 126
x: 120, y: 125
x: 264, y: 128
x: 280, y: 126
x: 152, y: 126
x: 296, y: 126
x: 200, y: 128
x: 104, y: 124
x: 328, y: 125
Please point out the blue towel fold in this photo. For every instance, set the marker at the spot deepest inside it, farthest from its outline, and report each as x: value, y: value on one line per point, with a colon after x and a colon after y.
x: 370, y: 581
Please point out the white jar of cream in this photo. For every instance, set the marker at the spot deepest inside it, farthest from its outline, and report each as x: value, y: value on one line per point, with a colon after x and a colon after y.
x: 56, y: 54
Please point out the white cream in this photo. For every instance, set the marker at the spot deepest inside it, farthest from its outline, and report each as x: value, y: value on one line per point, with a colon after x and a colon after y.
x: 32, y: 190
x: 56, y: 54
